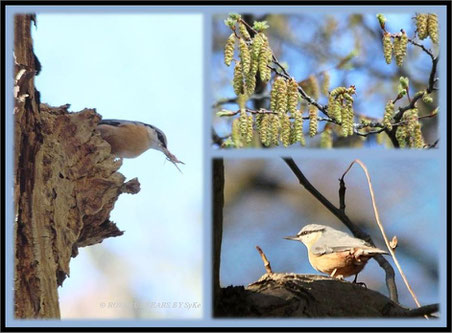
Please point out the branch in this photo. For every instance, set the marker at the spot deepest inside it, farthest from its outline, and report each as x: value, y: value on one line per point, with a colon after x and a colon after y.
x: 256, y: 97
x: 265, y: 111
x: 216, y: 138
x: 380, y: 225
x: 423, y: 310
x: 268, y: 267
x: 356, y: 231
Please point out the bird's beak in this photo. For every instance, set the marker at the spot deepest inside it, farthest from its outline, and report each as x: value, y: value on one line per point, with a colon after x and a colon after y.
x: 295, y: 238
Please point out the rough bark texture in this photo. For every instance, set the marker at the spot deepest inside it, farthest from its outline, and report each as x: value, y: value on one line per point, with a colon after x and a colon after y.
x: 66, y: 184
x: 296, y: 295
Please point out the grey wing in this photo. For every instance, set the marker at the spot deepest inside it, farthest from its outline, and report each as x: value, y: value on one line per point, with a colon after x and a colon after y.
x: 111, y: 122
x: 336, y: 241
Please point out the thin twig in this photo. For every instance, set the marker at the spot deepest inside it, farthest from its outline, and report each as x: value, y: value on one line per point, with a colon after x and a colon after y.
x: 380, y: 225
x: 342, y: 190
x: 265, y: 111
x: 356, y: 231
x: 268, y: 267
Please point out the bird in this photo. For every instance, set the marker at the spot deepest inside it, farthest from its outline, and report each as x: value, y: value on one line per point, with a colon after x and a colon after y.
x: 334, y: 252
x: 129, y: 139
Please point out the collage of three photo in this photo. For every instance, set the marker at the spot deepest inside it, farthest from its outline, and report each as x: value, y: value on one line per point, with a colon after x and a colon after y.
x: 222, y: 167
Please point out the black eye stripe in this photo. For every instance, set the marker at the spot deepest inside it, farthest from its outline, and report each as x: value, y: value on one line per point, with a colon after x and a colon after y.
x: 161, y: 139
x: 310, y: 232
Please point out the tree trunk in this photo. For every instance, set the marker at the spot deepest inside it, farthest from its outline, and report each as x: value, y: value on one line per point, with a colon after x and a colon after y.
x: 217, y: 218
x: 65, y: 186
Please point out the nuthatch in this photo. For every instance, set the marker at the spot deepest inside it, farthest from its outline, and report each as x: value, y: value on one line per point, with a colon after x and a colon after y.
x: 334, y: 252
x: 130, y: 139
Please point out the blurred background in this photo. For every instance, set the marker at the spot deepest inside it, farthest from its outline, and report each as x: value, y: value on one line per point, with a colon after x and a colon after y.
x: 349, y: 48
x: 264, y: 203
x: 131, y: 67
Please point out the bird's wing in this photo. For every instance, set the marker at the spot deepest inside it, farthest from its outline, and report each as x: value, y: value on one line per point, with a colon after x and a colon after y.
x: 111, y: 122
x: 338, y: 241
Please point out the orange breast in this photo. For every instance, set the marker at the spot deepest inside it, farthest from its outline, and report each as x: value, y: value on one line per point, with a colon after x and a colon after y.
x: 125, y: 140
x: 345, y: 263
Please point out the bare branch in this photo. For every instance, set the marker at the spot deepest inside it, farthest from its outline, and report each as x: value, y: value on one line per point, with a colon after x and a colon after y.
x: 268, y: 267
x: 380, y: 225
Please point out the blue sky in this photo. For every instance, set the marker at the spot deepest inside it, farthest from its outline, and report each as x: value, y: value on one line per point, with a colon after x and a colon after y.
x: 130, y: 67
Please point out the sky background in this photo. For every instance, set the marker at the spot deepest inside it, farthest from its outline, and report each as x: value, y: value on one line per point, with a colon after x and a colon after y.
x: 264, y: 203
x: 309, y: 43
x: 130, y: 67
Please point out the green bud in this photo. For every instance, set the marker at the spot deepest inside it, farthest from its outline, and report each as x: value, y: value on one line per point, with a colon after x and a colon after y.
x: 260, y: 26
x: 230, y: 23
x: 235, y: 16
x: 404, y: 82
x: 381, y: 19
x: 225, y: 113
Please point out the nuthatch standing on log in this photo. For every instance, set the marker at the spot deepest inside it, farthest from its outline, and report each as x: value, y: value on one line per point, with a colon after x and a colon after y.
x: 334, y: 252
x: 129, y: 139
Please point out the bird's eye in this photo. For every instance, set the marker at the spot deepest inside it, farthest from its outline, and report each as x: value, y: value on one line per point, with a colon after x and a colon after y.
x: 161, y: 138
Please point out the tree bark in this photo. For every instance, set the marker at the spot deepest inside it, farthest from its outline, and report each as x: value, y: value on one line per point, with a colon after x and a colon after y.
x: 65, y: 186
x: 279, y: 295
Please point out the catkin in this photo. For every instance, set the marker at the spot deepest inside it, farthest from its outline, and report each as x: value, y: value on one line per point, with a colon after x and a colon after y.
x: 334, y: 108
x: 411, y: 117
x: 418, y: 138
x: 273, y: 97
x: 243, y: 123
x: 389, y: 114
x: 258, y: 42
x: 264, y: 128
x: 351, y: 115
x: 259, y: 118
x: 245, y: 57
x: 250, y: 83
x: 298, y: 127
x: 265, y: 58
x: 237, y: 82
x: 432, y: 26
x: 387, y: 47
x: 312, y: 120
x: 400, y: 44
x: 292, y: 96
x: 236, y: 136
x: 276, y: 125
x: 326, y: 138
x: 401, y: 135
x: 338, y: 91
x: 285, y: 130
x: 347, y: 119
x: 249, y: 128
x: 229, y: 49
x: 281, y: 95
x: 244, y: 31
x: 421, y: 26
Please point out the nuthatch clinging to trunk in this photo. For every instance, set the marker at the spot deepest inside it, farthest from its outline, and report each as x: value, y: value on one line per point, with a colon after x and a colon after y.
x: 129, y: 139
x: 334, y: 252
